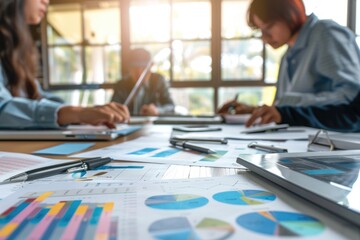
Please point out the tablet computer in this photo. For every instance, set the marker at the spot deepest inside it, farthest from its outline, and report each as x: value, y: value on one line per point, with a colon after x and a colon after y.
x: 328, y: 179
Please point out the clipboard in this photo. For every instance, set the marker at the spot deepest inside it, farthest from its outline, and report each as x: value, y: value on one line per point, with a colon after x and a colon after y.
x: 324, y: 141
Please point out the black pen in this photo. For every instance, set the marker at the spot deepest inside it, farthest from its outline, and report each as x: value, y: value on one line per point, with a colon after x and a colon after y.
x: 200, y: 139
x: 47, y: 171
x: 90, y: 164
x: 191, y: 146
x: 232, y: 107
x: 267, y: 148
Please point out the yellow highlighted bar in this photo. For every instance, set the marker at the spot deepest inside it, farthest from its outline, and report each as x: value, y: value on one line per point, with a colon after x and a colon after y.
x: 8, y: 229
x: 102, y: 236
x: 43, y: 196
x: 108, y: 206
x: 56, y: 208
x: 81, y: 210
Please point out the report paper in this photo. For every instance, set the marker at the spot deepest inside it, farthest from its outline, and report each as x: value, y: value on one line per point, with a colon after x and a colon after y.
x: 234, y: 207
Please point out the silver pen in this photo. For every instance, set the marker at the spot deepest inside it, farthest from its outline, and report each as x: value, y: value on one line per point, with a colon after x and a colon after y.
x: 267, y: 148
x: 184, y: 144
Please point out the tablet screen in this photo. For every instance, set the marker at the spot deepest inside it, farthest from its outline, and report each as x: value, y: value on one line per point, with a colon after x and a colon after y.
x: 329, y: 179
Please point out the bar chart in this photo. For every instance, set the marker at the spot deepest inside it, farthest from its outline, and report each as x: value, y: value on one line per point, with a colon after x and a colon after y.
x: 33, y: 218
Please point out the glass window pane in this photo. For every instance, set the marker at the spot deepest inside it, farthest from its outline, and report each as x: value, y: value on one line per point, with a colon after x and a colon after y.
x: 85, y: 97
x: 149, y: 21
x: 328, y: 9
x: 358, y: 17
x: 194, y: 101
x: 250, y: 95
x: 97, y: 16
x: 191, y: 19
x: 191, y: 60
x: 242, y: 59
x: 103, y: 64
x: 65, y: 65
x: 161, y: 57
x: 233, y: 19
x: 273, y: 59
x: 64, y: 24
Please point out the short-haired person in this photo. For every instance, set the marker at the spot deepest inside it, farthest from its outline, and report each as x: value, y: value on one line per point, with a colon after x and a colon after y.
x: 322, y: 63
x: 22, y: 103
x: 153, y: 97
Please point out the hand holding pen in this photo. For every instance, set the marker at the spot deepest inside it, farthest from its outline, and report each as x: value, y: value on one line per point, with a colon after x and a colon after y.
x: 234, y: 107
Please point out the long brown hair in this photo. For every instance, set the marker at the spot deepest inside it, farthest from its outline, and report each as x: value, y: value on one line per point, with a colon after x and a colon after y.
x: 292, y: 12
x: 18, y: 54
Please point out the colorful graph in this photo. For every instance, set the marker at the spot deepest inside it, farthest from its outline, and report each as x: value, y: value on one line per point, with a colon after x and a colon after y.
x: 277, y: 223
x: 182, y: 228
x: 166, y: 153
x: 143, y: 151
x: 176, y: 202
x: 245, y: 197
x: 213, y: 157
x: 34, y: 219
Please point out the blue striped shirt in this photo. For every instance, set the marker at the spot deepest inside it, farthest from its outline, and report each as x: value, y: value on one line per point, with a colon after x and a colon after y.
x: 323, y: 66
x: 21, y: 112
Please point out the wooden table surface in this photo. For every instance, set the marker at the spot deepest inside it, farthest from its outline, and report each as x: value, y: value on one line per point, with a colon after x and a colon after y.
x: 31, y: 146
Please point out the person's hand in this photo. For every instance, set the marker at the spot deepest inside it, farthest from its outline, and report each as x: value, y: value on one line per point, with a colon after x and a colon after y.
x: 149, y: 110
x: 264, y: 114
x: 107, y: 115
x: 234, y: 107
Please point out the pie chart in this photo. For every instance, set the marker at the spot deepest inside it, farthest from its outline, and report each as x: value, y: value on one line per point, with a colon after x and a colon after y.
x: 176, y: 201
x: 278, y: 223
x: 245, y: 197
x: 182, y: 228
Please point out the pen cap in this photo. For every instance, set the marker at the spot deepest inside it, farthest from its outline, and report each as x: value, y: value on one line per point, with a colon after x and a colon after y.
x: 95, y: 163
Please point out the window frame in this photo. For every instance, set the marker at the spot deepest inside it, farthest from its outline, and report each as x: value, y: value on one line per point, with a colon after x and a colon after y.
x: 216, y: 82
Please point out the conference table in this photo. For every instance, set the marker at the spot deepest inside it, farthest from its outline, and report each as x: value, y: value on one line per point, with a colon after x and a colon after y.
x: 341, y: 227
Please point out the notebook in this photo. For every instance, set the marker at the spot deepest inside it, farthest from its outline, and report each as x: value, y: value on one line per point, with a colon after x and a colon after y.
x: 328, y: 179
x: 70, y: 133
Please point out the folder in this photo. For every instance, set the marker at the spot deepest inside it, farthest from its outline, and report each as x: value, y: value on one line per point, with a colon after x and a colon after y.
x: 324, y: 141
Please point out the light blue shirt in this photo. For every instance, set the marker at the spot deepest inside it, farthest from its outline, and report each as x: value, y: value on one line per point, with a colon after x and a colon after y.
x: 21, y: 112
x: 323, y: 66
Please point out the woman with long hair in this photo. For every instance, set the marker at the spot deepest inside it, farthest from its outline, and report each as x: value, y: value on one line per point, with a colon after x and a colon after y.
x: 22, y: 102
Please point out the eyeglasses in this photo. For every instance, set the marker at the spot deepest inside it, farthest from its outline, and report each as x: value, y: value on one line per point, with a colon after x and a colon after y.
x: 266, y: 31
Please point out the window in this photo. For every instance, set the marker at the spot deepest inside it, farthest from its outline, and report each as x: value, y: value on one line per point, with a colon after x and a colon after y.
x: 328, y: 9
x: 203, y: 47
x: 82, y: 52
x: 357, y: 23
